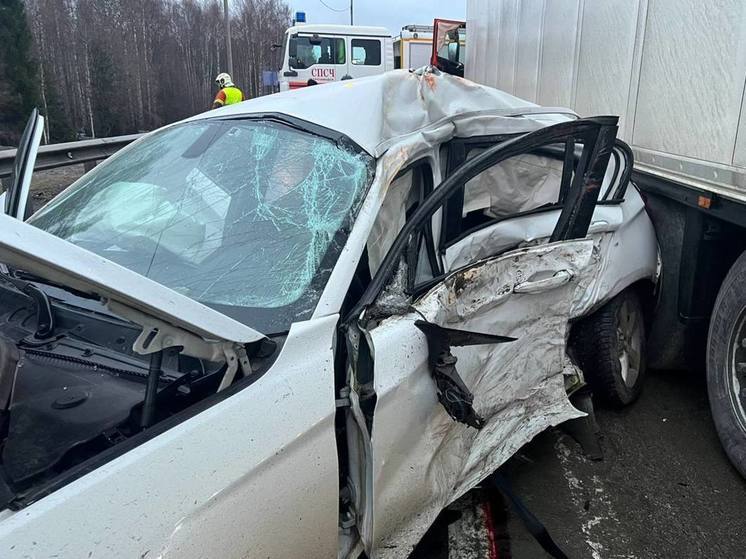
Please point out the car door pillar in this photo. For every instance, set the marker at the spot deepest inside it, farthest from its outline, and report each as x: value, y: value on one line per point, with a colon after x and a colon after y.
x: 15, y: 199
x: 581, y: 200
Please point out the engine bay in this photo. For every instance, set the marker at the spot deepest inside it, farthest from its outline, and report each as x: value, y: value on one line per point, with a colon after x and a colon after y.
x: 71, y: 385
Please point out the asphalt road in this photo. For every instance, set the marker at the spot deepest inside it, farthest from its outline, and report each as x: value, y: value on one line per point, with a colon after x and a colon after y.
x: 664, y: 488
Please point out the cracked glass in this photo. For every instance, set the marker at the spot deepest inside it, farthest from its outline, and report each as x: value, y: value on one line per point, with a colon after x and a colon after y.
x: 245, y: 216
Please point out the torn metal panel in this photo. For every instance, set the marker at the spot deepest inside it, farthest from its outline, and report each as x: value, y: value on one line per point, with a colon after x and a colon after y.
x: 518, y: 387
x: 393, y: 299
x: 453, y: 394
x: 358, y: 430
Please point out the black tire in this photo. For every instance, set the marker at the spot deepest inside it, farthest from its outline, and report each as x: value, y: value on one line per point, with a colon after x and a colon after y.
x: 725, y: 349
x: 602, y: 345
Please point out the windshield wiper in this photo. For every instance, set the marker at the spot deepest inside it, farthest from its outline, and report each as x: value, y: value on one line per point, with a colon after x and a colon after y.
x: 44, y: 315
x: 25, y: 276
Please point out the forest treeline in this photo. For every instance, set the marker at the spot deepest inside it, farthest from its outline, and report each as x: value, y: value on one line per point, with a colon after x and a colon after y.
x: 110, y: 67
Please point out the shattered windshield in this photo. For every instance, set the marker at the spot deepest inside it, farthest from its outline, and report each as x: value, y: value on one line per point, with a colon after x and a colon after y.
x: 245, y: 216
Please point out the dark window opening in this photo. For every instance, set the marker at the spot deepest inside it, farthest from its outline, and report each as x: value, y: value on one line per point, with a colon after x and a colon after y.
x: 532, y: 182
x: 305, y: 52
x: 366, y: 52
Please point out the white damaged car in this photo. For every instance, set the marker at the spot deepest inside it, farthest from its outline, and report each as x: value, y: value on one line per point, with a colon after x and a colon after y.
x: 302, y: 325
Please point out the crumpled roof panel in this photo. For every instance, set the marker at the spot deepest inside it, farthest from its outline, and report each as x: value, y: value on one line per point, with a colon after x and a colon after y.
x: 374, y: 110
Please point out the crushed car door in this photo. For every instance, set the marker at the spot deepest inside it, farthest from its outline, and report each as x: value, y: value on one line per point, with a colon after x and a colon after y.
x: 469, y: 366
x: 15, y: 200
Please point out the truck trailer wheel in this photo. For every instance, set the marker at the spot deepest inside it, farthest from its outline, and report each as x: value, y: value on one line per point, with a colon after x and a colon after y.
x: 726, y: 364
x: 611, y: 347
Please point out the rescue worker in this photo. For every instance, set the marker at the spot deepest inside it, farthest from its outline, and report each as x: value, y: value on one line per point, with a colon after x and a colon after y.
x: 228, y: 93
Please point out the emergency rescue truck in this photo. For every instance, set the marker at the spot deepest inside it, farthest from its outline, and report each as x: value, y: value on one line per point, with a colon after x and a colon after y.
x: 320, y: 53
x: 412, y: 47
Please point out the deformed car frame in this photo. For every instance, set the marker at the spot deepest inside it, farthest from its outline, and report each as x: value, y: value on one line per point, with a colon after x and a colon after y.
x: 580, y: 193
x: 436, y: 344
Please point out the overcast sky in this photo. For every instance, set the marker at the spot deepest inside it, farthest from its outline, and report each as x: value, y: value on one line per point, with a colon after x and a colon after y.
x: 393, y: 14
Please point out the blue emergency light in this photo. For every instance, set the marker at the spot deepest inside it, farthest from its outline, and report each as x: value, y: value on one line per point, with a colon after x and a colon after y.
x: 300, y: 17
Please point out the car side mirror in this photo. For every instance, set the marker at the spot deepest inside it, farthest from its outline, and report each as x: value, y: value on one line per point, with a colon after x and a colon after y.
x: 454, y: 51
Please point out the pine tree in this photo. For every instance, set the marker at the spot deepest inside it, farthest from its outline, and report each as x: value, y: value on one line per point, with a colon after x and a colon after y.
x: 103, y: 76
x: 19, y: 86
x: 60, y: 129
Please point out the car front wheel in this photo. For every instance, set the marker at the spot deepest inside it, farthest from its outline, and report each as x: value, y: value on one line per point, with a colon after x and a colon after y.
x: 611, y: 347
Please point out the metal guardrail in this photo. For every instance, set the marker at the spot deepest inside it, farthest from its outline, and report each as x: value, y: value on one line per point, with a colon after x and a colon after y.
x: 69, y: 153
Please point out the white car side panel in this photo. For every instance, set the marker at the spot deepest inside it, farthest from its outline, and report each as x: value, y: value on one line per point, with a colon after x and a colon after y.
x: 252, y: 476
x: 629, y: 254
x: 423, y: 459
x: 626, y: 238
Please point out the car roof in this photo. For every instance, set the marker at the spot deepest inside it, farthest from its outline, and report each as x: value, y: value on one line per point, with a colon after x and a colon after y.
x: 374, y: 111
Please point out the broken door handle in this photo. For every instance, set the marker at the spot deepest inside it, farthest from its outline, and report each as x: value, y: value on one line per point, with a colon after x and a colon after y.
x: 599, y: 225
x: 538, y: 286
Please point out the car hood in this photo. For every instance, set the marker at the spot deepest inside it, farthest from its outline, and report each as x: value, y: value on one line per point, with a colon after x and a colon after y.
x: 27, y: 248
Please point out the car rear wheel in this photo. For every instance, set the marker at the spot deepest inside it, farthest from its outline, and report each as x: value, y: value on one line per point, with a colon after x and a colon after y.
x: 726, y: 364
x: 611, y: 347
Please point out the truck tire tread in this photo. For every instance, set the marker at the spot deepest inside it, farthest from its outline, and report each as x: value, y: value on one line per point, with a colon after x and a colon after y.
x: 730, y: 303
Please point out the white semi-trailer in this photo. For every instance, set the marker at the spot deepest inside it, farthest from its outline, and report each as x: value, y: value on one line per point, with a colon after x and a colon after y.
x: 675, y: 71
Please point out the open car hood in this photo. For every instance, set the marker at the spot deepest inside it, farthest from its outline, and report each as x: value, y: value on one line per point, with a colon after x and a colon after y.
x: 27, y: 248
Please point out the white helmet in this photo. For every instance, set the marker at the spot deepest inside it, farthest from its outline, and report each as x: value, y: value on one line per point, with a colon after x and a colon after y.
x: 224, y: 80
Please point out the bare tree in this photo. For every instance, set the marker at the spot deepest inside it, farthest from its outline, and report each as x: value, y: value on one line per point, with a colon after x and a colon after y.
x: 117, y: 66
